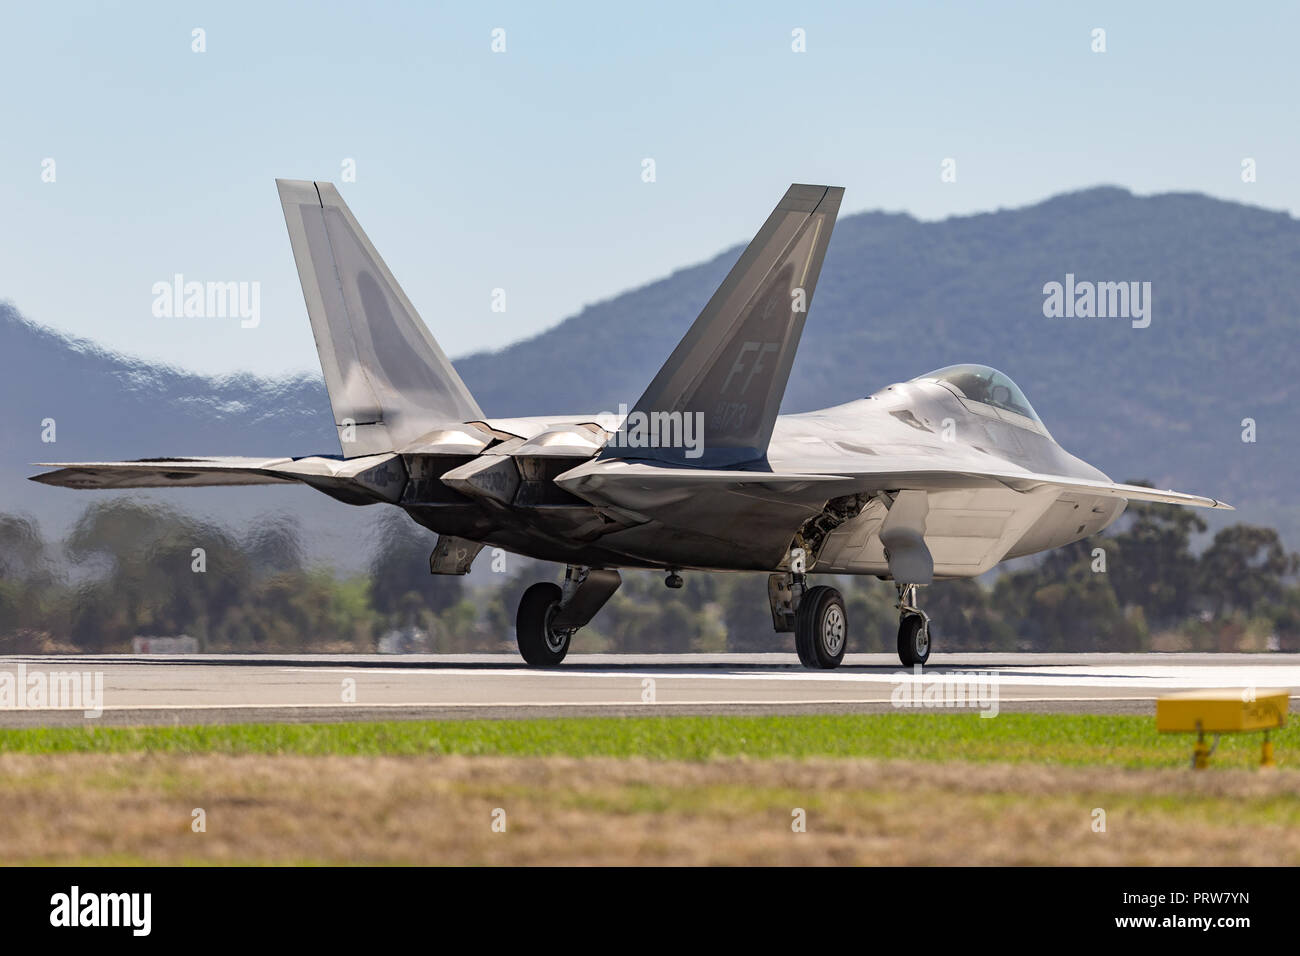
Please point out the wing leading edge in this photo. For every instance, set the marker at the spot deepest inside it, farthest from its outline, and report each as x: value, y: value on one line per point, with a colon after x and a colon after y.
x: 604, y: 479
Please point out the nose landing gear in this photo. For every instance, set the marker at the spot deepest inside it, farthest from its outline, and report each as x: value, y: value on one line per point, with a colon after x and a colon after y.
x: 913, y: 628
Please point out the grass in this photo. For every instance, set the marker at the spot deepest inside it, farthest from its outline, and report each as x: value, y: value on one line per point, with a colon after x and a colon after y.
x: 124, y: 808
x: 1129, y: 742
x: 899, y: 788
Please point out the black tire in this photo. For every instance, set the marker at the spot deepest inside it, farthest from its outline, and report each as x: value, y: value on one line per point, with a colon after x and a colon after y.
x: 541, y: 644
x: 821, y: 628
x: 804, y: 652
x: 913, y: 640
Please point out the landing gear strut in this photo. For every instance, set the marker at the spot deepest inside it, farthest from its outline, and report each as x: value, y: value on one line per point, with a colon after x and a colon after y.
x: 549, y: 615
x: 913, y: 628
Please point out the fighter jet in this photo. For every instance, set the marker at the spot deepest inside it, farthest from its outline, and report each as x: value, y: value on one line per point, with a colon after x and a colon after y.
x: 943, y: 476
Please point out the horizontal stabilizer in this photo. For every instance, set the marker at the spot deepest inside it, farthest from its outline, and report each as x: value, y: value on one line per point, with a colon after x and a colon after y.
x: 163, y: 473
x: 355, y: 480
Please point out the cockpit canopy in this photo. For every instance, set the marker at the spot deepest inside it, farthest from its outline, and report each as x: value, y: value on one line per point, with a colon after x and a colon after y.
x: 988, y: 386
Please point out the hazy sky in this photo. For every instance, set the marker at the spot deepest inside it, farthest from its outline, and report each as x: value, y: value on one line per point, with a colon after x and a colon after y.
x: 522, y: 170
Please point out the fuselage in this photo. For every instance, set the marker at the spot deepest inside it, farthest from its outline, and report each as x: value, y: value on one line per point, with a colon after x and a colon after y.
x: 925, y: 426
x: 507, y: 496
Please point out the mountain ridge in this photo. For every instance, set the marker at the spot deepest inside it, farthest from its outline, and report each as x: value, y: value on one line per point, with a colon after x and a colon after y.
x: 898, y: 297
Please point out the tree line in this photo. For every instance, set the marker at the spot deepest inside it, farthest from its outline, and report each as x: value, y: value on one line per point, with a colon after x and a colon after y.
x: 129, y: 569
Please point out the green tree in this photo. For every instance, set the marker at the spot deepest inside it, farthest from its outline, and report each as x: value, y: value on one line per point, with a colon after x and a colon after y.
x: 1061, y: 604
x: 400, y: 583
x: 747, y: 616
x: 1152, y: 563
x: 33, y: 596
x: 964, y: 617
x: 159, y: 573
x: 1243, y: 569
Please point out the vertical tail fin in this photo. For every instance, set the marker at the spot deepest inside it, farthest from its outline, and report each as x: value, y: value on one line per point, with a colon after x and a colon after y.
x: 385, y: 374
x: 733, y: 364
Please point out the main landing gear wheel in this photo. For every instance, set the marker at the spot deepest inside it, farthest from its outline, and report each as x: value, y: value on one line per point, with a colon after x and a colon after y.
x: 821, y: 628
x: 540, y: 642
x: 913, y: 640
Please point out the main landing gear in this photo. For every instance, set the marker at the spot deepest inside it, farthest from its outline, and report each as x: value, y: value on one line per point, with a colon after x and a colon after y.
x: 549, y: 614
x: 817, y: 617
x: 821, y: 628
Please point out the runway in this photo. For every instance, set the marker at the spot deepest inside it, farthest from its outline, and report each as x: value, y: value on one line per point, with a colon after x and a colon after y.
x: 122, y: 689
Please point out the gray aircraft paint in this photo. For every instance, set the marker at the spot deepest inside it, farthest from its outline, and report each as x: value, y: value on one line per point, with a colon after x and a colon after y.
x: 388, y: 380
x: 954, y: 485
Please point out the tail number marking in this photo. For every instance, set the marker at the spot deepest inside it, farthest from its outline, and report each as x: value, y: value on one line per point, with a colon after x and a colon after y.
x: 751, y: 356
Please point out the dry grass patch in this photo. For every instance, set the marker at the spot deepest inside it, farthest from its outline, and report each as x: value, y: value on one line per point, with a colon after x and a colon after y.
x: 136, y: 807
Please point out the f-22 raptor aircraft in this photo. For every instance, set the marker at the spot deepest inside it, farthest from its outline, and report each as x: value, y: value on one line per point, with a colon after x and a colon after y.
x: 943, y: 476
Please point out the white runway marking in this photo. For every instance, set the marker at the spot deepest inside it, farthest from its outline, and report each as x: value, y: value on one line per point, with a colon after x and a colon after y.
x: 1060, y: 676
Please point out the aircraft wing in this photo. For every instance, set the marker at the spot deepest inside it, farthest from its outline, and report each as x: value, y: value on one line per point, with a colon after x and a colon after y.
x: 613, y: 480
x: 699, y: 511
x: 1113, y: 489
